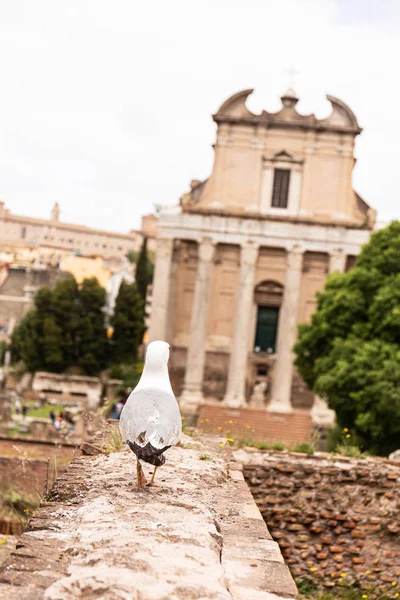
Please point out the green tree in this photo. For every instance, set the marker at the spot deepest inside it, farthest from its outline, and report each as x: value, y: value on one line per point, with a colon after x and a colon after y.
x: 128, y: 323
x: 132, y: 256
x: 66, y: 311
x: 350, y: 352
x: 25, y: 343
x: 53, y: 357
x: 144, y: 271
x: 92, y: 340
x: 66, y: 328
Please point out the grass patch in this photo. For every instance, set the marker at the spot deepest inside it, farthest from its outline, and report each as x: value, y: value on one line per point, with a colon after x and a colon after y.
x: 190, y: 431
x: 278, y: 446
x: 106, y: 409
x: 353, y: 451
x: 115, y: 441
x: 304, y: 447
x: 43, y: 412
x: 311, y: 590
x: 13, y: 504
x: 261, y: 445
x: 205, y: 457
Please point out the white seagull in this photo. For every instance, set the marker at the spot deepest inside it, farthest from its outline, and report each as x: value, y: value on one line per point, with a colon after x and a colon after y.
x: 150, y: 421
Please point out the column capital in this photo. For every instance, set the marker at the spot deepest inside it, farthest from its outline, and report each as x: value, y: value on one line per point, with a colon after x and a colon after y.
x: 248, y: 253
x: 295, y: 249
x: 165, y: 246
x: 337, y: 260
x: 295, y: 256
x: 206, y: 249
x: 337, y: 252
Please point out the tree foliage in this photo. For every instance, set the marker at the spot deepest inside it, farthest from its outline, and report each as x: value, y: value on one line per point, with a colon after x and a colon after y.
x: 350, y: 352
x: 144, y: 270
x: 65, y: 329
x: 128, y: 323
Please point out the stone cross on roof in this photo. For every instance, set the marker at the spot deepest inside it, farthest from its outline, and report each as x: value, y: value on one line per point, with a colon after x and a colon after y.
x: 291, y: 72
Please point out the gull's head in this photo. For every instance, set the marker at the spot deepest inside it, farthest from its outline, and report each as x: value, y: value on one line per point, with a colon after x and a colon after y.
x: 157, y: 354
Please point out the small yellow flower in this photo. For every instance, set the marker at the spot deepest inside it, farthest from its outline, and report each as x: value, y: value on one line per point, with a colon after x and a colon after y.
x: 230, y: 440
x: 396, y: 595
x: 3, y: 541
x: 333, y: 574
x: 207, y: 420
x: 313, y: 569
x: 364, y: 596
x: 342, y: 574
x: 222, y: 444
x: 248, y: 426
x: 340, y: 580
x: 394, y: 582
x: 345, y: 430
x: 201, y: 420
x: 219, y: 428
x: 367, y: 572
x: 348, y: 435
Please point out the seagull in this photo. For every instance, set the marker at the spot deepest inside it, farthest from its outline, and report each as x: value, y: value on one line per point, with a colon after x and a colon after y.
x: 150, y: 421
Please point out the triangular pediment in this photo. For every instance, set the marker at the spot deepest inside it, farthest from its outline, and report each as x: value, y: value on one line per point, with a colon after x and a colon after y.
x: 283, y: 156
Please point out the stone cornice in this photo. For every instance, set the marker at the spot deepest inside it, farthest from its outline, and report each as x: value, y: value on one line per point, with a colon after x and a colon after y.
x: 279, y: 234
x: 303, y: 219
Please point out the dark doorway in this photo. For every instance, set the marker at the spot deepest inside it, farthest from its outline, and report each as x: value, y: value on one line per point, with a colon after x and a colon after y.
x: 267, y: 328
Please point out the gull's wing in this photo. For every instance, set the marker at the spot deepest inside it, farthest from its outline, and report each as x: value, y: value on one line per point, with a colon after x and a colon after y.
x: 151, y: 415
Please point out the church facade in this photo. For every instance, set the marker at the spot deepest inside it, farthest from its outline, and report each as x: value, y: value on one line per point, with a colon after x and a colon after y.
x: 241, y: 258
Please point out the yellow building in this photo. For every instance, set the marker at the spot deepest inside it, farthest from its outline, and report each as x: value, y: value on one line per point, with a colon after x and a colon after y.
x: 82, y: 267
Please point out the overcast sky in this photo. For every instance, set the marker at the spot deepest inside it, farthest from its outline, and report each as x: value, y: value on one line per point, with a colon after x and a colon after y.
x: 105, y: 105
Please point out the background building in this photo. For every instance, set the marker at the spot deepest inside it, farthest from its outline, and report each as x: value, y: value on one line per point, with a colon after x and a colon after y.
x: 37, y: 252
x: 26, y: 232
x: 240, y: 260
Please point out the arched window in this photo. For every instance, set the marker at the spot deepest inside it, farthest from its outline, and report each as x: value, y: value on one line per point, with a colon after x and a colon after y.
x: 268, y: 297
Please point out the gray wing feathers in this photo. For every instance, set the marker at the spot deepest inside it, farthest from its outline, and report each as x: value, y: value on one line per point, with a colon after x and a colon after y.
x: 151, y: 416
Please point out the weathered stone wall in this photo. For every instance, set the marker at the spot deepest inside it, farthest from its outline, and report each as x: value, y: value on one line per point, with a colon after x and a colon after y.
x: 258, y: 424
x: 330, y: 514
x: 79, y: 389
x: 23, y: 466
x: 27, y: 477
x: 198, y: 535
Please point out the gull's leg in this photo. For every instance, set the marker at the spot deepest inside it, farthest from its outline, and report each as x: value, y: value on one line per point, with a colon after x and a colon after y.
x: 141, y: 479
x: 151, y: 482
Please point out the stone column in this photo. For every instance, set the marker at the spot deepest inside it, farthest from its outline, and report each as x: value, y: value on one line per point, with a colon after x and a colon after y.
x: 192, y: 393
x: 337, y: 261
x: 161, y: 286
x: 236, y: 385
x: 287, y: 334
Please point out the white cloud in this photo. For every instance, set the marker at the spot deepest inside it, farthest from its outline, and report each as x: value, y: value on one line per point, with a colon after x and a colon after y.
x: 106, y: 106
